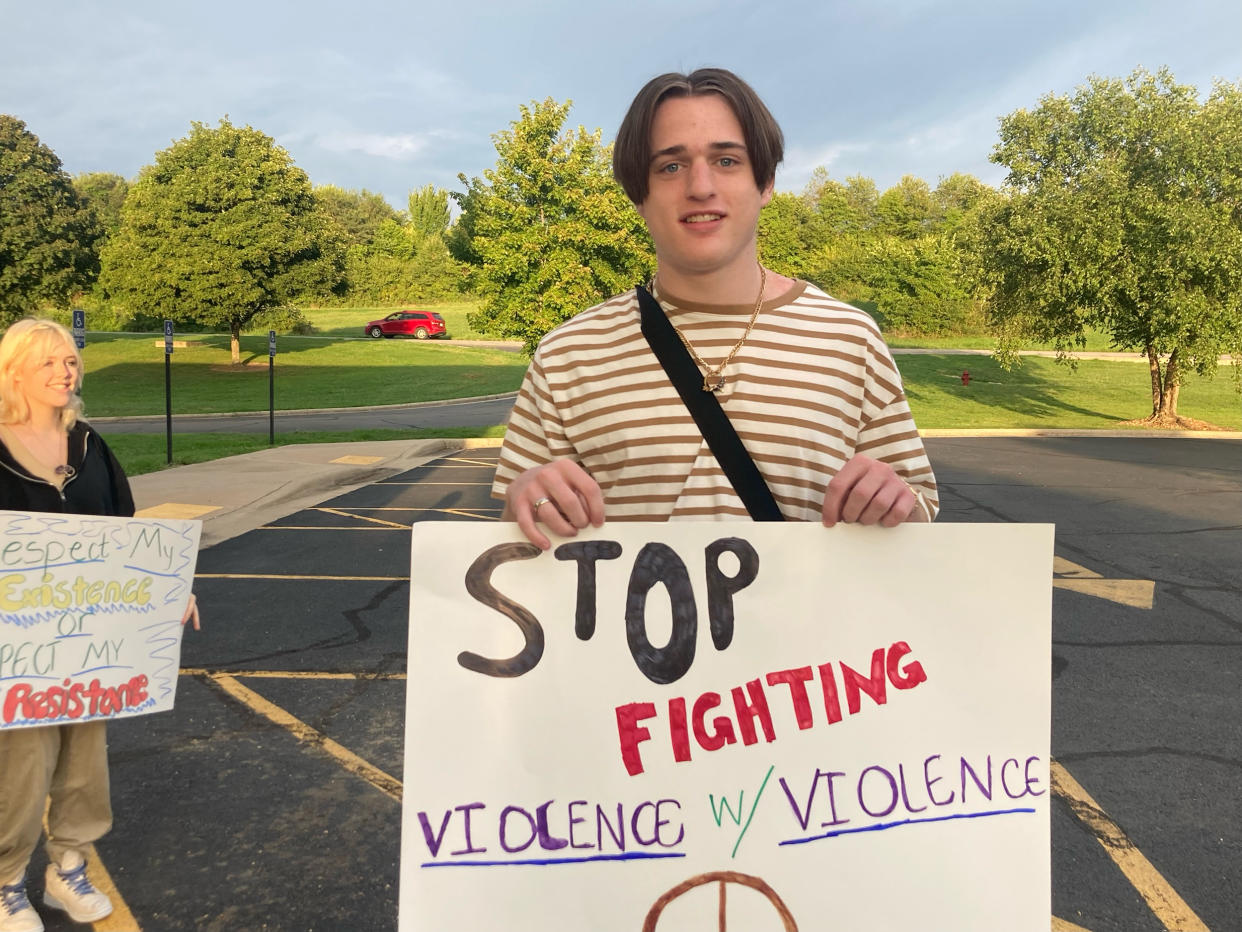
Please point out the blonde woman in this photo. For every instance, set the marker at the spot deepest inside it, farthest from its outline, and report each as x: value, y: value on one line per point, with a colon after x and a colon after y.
x: 50, y: 460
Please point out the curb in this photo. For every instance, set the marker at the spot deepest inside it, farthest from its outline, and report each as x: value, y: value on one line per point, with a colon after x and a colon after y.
x: 1137, y: 434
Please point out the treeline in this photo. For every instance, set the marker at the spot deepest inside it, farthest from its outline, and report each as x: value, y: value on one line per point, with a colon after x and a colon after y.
x: 908, y: 255
x: 1121, y: 212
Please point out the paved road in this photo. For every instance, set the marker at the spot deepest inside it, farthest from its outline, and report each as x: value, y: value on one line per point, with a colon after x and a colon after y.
x: 270, y: 798
x: 473, y: 413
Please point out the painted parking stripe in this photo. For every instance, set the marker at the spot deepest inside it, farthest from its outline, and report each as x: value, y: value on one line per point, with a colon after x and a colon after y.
x: 176, y: 510
x: 120, y: 919
x: 386, y: 784
x: 1063, y: 925
x: 465, y: 511
x: 346, y: 514
x: 1161, y: 898
x: 1135, y: 593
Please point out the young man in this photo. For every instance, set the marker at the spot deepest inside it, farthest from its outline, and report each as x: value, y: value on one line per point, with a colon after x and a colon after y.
x: 598, y: 430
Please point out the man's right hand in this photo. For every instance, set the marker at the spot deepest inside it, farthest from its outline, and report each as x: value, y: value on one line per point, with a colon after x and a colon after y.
x: 560, y: 494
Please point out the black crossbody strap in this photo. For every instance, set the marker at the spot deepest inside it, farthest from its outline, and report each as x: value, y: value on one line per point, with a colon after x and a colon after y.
x: 713, y: 423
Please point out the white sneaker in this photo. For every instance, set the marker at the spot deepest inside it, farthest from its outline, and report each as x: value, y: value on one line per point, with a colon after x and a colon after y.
x: 67, y: 887
x: 16, y: 913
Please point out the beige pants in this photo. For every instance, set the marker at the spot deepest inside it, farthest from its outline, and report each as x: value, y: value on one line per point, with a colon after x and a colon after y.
x: 66, y: 764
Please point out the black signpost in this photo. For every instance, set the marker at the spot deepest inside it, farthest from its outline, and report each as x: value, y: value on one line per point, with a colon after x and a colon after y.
x: 271, y: 387
x: 168, y: 349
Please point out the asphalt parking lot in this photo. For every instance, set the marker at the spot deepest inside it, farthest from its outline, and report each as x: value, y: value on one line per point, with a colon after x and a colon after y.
x: 270, y: 798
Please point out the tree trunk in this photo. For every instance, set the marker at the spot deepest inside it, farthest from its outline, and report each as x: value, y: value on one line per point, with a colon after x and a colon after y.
x: 1153, y: 365
x: 235, y: 343
x: 1171, y: 388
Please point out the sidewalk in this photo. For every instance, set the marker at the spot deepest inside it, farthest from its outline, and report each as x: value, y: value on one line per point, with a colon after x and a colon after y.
x: 239, y: 493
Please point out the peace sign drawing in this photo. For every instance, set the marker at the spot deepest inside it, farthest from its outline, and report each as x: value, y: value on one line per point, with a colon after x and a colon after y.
x: 724, y: 878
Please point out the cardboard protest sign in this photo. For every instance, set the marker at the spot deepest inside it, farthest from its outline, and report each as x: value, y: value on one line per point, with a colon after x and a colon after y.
x: 700, y: 726
x: 90, y: 615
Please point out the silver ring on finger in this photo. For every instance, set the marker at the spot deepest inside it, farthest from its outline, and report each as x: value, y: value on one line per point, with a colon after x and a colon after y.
x: 537, y: 504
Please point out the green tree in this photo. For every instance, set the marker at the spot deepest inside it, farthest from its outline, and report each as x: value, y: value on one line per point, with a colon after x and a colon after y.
x: 1123, y: 212
x: 906, y: 210
x: 47, y: 235
x: 358, y: 213
x: 916, y: 284
x: 791, y: 234
x: 957, y: 198
x: 848, y: 207
x: 104, y: 193
x: 429, y: 212
x: 222, y: 228
x: 549, y: 230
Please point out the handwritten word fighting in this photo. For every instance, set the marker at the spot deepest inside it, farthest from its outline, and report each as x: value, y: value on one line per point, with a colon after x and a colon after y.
x: 751, y: 708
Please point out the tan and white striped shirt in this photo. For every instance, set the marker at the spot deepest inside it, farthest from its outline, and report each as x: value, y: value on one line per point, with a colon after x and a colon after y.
x: 813, y: 385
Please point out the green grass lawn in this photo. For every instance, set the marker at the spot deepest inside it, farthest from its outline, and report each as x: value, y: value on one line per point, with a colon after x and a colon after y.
x: 349, y: 321
x: 125, y: 373
x: 125, y: 376
x: 1042, y: 393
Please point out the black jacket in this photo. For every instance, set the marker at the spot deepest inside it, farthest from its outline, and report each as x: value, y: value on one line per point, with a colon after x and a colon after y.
x: 97, y: 487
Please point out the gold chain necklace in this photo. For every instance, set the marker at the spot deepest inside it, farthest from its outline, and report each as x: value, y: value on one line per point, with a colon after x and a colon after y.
x: 713, y: 378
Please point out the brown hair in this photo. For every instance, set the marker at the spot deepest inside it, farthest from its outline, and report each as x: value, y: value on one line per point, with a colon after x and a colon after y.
x: 631, y: 153
x: 34, y: 338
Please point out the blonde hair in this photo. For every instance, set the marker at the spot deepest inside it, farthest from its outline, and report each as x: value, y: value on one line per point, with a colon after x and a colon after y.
x: 34, y: 338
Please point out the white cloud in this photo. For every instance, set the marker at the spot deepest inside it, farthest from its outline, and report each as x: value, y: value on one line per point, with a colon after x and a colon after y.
x: 801, y: 161
x: 399, y: 147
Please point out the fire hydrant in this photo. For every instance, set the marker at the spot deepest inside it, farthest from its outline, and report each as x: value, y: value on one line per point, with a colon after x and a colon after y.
x: 965, y: 377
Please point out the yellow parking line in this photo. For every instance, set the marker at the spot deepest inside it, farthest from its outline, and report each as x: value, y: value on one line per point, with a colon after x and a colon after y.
x: 1062, y: 925
x: 328, y: 527
x: 120, y: 919
x: 346, y: 514
x: 386, y: 784
x: 469, y: 511
x: 465, y: 514
x: 303, y: 578
x: 176, y: 510
x: 1136, y: 593
x: 1161, y: 898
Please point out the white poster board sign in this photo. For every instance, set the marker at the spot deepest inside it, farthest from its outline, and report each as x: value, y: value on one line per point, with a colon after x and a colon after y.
x: 90, y: 615
x: 700, y: 726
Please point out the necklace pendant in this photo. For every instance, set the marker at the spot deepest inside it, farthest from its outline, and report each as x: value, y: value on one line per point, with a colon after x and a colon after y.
x: 713, y: 383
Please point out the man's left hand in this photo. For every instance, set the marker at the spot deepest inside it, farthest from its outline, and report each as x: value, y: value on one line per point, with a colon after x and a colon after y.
x: 867, y: 491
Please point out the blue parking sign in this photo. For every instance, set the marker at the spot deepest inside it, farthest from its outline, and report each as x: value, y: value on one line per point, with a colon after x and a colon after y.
x: 79, y: 327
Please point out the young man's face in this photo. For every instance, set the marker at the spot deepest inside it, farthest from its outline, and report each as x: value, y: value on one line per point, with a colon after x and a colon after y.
x: 702, y: 205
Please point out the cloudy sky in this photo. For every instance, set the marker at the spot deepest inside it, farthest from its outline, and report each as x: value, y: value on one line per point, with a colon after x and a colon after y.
x: 392, y: 96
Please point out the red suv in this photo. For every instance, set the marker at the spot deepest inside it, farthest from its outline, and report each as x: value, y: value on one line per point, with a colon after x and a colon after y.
x: 422, y: 324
